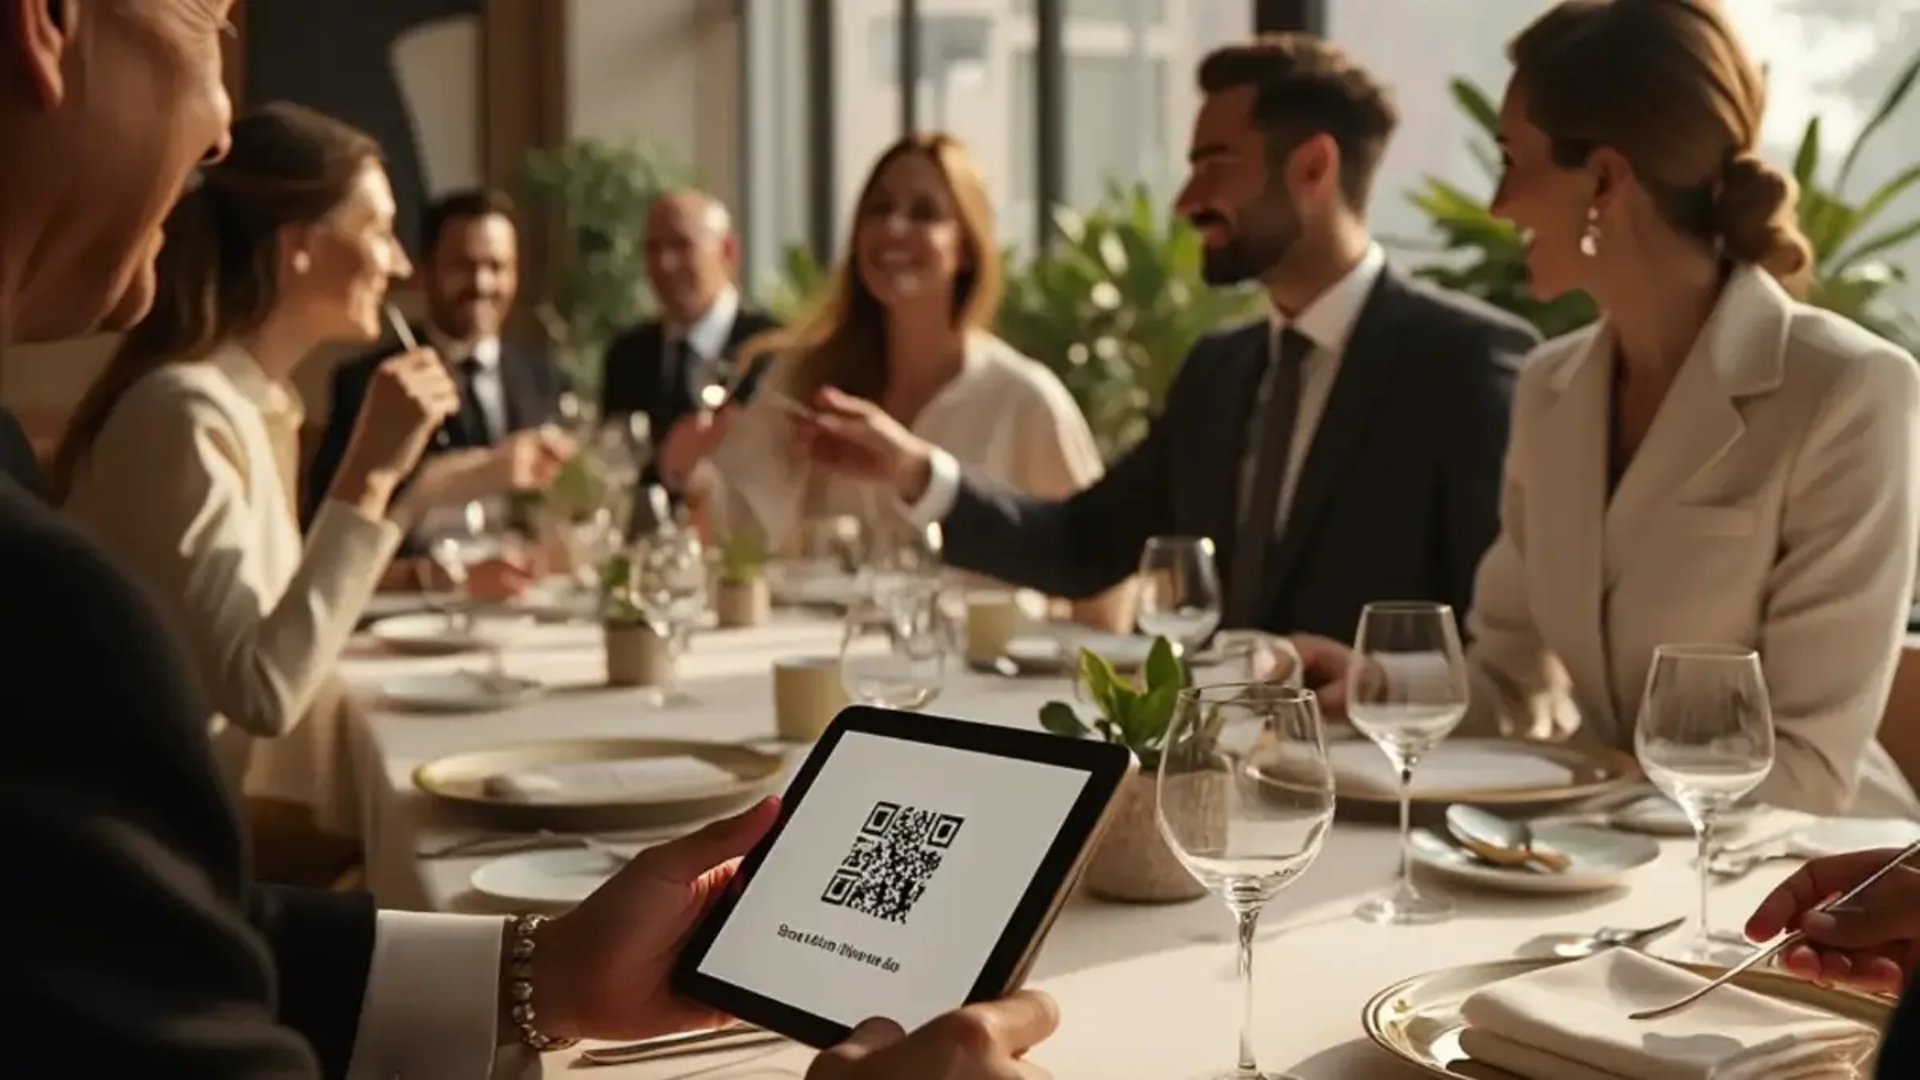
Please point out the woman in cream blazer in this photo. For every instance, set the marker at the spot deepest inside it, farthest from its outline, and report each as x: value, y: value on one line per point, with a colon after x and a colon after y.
x: 181, y: 460
x: 1714, y: 462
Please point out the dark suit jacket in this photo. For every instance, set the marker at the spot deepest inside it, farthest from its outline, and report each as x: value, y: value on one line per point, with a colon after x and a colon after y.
x: 532, y: 382
x: 1397, y: 499
x: 138, y: 938
x: 1900, y: 1046
x: 17, y: 458
x: 638, y: 376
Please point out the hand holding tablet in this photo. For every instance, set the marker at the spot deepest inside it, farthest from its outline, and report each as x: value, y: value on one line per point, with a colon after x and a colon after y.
x: 916, y: 865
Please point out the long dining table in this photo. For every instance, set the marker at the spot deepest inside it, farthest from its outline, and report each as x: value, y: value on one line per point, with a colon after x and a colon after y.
x: 1145, y: 991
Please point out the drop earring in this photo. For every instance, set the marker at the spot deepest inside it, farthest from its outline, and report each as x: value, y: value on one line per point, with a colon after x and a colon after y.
x: 1590, y: 236
x: 302, y: 262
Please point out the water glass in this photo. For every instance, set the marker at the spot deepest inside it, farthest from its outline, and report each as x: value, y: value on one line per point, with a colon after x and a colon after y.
x: 1179, y: 595
x: 1245, y: 800
x: 1705, y: 738
x: 1406, y: 690
x: 894, y: 654
x: 667, y: 585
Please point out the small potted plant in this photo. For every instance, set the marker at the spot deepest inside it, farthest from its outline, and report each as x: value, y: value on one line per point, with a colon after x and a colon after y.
x: 742, y: 597
x: 1133, y: 862
x: 635, y: 654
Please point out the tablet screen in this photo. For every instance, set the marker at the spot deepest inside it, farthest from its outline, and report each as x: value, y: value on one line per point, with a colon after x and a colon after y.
x: 894, y: 879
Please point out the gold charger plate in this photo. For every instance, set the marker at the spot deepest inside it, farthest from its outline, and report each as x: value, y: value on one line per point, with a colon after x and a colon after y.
x: 462, y: 779
x: 1597, y: 770
x: 1418, y: 1020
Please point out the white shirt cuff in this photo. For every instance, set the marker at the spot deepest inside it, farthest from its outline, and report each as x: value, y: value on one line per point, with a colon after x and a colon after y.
x: 433, y: 998
x: 943, y: 490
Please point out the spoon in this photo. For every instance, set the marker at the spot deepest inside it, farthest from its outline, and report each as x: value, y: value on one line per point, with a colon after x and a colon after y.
x: 1501, y: 842
x: 1613, y: 937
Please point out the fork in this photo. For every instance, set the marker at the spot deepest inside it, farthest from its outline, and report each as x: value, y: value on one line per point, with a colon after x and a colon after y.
x: 1777, y: 947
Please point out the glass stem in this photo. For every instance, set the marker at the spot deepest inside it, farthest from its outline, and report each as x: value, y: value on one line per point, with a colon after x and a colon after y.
x: 1247, y: 918
x: 1406, y: 826
x: 1706, y: 852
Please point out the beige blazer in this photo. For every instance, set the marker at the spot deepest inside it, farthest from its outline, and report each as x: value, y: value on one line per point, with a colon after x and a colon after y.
x: 188, y: 486
x: 1772, y: 505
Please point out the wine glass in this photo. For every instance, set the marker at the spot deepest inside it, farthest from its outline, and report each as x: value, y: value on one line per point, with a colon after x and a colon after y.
x: 1245, y: 802
x: 458, y: 538
x: 1179, y: 590
x: 1705, y: 737
x: 667, y: 585
x: 894, y: 653
x: 1406, y: 690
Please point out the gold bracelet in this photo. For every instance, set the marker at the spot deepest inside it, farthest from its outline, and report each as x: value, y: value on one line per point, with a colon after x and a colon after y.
x: 520, y: 985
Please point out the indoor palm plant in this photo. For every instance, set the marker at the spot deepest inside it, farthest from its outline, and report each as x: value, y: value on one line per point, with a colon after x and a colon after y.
x: 1133, y: 861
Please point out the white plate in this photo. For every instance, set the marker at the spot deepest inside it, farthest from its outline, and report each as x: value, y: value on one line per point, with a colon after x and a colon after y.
x: 456, y: 692
x: 548, y: 879
x: 1060, y: 651
x: 433, y: 635
x: 391, y: 604
x: 1600, y: 860
x: 1658, y: 815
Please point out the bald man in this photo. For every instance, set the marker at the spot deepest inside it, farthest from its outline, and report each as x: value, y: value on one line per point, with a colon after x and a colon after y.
x: 661, y: 368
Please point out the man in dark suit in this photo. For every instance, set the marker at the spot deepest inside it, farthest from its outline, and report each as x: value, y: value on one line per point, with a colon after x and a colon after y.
x: 669, y: 368
x: 1347, y: 451
x: 470, y: 270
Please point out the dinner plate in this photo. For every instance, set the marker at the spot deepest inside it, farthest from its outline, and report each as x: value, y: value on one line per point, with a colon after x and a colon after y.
x: 547, y: 879
x: 457, y: 692
x: 1058, y: 653
x: 1483, y: 772
x: 433, y: 634
x: 1418, y: 1020
x: 1598, y: 858
x: 463, y: 778
x: 391, y: 604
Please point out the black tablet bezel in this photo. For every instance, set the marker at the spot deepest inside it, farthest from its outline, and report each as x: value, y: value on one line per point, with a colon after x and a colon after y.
x: 1107, y: 767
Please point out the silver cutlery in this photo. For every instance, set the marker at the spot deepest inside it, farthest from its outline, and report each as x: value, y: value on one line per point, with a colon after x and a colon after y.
x: 1501, y: 842
x: 1613, y: 937
x: 1730, y: 867
x: 734, y: 1037
x: 1786, y: 941
x: 544, y: 839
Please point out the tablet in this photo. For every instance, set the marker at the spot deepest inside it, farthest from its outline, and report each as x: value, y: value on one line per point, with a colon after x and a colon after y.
x: 916, y: 866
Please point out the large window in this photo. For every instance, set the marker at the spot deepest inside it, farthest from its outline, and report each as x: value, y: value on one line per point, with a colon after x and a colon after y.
x: 1834, y: 59
x: 776, y: 187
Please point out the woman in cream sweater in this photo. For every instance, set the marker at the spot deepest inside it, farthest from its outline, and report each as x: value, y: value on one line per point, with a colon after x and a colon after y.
x: 182, y: 456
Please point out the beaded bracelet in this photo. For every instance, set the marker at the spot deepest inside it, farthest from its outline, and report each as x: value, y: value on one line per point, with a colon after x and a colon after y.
x: 520, y: 984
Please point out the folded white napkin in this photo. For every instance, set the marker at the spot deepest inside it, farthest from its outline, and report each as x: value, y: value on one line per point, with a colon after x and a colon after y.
x: 1360, y: 767
x: 606, y: 781
x: 1570, y: 1022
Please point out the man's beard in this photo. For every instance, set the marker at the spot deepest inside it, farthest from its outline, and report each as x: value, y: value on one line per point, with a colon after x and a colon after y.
x: 1265, y: 235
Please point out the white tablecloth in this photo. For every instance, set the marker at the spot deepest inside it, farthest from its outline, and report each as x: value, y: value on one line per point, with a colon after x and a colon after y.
x: 1144, y: 991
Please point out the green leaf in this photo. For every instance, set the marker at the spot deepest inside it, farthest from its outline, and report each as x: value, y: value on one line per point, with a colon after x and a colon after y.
x: 1103, y: 685
x: 1808, y: 159
x: 1476, y: 104
x: 1890, y: 239
x: 1163, y: 666
x: 1896, y: 94
x: 1886, y: 193
x: 1156, y: 715
x: 1059, y: 718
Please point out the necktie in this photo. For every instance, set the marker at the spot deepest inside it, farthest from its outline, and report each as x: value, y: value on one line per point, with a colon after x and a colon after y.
x: 475, y: 429
x: 1271, y: 441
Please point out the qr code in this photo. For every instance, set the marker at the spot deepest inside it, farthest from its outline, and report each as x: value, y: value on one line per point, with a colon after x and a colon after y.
x: 893, y: 858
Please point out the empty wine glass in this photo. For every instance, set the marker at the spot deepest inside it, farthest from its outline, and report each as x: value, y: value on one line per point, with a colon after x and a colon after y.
x: 457, y: 539
x: 1245, y: 802
x: 1705, y: 737
x: 1179, y: 590
x: 667, y: 585
x: 894, y: 654
x: 1406, y: 690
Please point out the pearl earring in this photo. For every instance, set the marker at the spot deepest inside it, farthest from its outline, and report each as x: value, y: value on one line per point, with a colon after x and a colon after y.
x: 302, y: 262
x: 1590, y: 236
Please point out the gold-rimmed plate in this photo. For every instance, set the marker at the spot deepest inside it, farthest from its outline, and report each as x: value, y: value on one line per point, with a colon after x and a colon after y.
x: 1418, y: 1020
x: 1484, y: 772
x: 463, y: 778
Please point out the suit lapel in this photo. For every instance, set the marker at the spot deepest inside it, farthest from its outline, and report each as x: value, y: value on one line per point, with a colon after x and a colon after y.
x: 1563, y: 517
x: 1366, y: 369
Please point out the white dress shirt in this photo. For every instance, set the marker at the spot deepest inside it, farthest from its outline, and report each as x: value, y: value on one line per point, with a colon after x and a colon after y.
x: 432, y: 1005
x: 487, y: 387
x: 1328, y: 322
